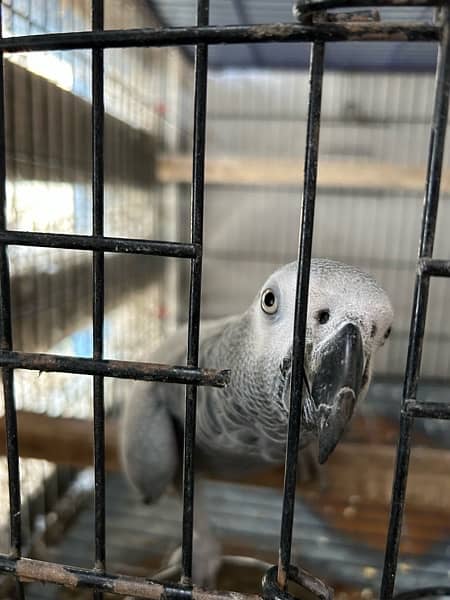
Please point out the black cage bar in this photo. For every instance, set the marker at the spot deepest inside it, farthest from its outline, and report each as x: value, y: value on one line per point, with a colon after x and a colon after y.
x: 314, y: 27
x: 198, y: 186
x: 6, y: 345
x: 410, y: 408
x: 98, y: 287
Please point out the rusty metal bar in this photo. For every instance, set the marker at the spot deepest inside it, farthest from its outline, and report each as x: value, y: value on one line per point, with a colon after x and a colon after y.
x: 94, y: 242
x: 28, y: 570
x: 434, y: 267
x: 227, y: 34
x: 306, y: 6
x: 427, y: 410
x: 121, y: 369
x: 425, y: 593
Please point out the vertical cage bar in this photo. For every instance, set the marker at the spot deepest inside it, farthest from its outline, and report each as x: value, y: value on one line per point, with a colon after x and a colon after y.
x: 421, y: 292
x: 12, y: 446
x: 6, y: 338
x: 98, y: 273
x: 198, y: 186
x: 301, y: 305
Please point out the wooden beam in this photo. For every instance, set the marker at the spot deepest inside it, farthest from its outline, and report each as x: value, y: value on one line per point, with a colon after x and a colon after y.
x: 332, y: 174
x: 369, y: 477
x: 62, y: 440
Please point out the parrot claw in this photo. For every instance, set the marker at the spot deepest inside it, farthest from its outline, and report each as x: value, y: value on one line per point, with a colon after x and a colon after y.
x: 206, y: 562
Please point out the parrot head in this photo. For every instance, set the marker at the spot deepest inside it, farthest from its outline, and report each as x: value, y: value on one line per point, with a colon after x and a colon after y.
x: 349, y: 318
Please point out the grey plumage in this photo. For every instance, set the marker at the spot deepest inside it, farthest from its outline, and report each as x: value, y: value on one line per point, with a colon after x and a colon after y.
x: 243, y: 427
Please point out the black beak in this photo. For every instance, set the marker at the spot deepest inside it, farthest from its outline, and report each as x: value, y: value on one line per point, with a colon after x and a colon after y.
x: 336, y: 386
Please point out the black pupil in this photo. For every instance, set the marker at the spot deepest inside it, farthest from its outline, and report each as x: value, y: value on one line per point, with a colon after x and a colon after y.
x: 324, y: 315
x: 269, y: 299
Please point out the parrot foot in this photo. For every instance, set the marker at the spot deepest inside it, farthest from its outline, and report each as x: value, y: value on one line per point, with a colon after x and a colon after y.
x: 206, y: 562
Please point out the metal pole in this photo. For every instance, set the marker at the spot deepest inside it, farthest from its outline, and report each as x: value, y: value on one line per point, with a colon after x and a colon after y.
x: 301, y: 306
x: 417, y: 329
x: 198, y: 186
x: 98, y: 286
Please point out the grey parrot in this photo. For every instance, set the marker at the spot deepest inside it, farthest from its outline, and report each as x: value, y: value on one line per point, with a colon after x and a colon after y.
x: 243, y: 427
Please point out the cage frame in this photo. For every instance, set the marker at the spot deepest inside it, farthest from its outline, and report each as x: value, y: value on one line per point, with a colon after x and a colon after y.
x: 311, y: 29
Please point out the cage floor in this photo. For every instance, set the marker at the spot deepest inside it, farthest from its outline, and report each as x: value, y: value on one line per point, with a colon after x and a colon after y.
x: 340, y: 524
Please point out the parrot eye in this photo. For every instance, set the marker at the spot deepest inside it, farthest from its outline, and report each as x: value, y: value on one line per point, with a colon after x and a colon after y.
x: 269, y: 302
x: 373, y: 331
x: 323, y: 316
x: 388, y: 333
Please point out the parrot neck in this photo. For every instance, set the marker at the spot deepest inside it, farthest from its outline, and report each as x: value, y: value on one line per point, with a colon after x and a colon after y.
x: 248, y: 416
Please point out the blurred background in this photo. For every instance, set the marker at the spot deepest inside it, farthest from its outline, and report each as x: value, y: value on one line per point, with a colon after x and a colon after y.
x: 377, y: 105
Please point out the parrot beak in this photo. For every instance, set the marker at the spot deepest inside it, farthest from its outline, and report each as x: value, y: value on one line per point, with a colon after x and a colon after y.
x: 336, y: 386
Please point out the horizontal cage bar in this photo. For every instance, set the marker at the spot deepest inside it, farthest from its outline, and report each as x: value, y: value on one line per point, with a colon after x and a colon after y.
x: 227, y: 34
x: 427, y: 410
x: 120, y: 369
x: 306, y: 6
x: 93, y: 242
x: 424, y: 593
x: 435, y: 267
x: 74, y: 577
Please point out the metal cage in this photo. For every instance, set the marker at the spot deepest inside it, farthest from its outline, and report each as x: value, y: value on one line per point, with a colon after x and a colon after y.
x: 316, y: 27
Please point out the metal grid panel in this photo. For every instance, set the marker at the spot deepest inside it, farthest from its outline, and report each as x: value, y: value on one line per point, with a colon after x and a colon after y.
x: 275, y: 581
